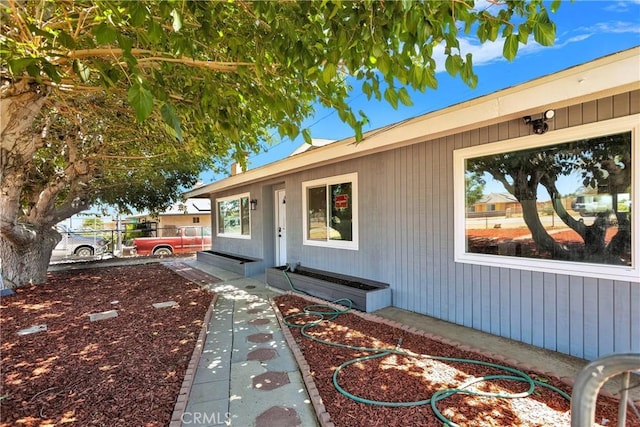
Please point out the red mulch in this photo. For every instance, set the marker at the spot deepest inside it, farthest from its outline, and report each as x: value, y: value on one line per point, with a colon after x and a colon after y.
x: 402, y: 378
x: 124, y: 371
x: 505, y: 234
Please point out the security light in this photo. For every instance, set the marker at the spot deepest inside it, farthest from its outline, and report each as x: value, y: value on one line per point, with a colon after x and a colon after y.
x: 540, y: 126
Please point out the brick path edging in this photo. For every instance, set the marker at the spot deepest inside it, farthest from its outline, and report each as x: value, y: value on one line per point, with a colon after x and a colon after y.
x: 316, y: 399
x: 189, y: 376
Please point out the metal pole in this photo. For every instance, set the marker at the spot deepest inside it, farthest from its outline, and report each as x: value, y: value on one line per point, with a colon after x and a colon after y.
x: 624, y: 396
x: 589, y: 381
x: 119, y: 234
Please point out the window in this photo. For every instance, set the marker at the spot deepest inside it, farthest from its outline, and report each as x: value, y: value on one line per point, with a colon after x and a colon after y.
x: 233, y: 216
x: 330, y: 209
x: 559, y: 202
x: 196, y: 220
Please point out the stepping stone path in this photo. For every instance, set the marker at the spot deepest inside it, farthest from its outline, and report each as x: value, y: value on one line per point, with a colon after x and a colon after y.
x: 93, y: 317
x: 164, y: 304
x: 259, y: 338
x: 260, y: 321
x: 246, y: 356
x: 270, y: 380
x: 278, y: 416
x: 262, y: 354
x: 32, y: 330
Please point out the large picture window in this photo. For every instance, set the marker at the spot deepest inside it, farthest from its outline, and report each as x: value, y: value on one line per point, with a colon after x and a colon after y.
x: 331, y: 211
x: 559, y: 202
x: 233, y: 216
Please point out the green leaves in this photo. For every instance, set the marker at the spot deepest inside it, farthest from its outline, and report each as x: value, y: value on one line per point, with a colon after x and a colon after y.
x: 105, y: 34
x: 404, y: 97
x: 18, y: 65
x: 171, y: 118
x: 544, y: 32
x: 453, y: 64
x: 391, y: 97
x: 510, y: 48
x: 329, y: 72
x: 141, y: 100
x: 179, y: 60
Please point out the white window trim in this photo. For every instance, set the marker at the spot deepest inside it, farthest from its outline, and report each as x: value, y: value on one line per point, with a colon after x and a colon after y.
x: 228, y: 235
x: 602, y: 271
x: 334, y: 244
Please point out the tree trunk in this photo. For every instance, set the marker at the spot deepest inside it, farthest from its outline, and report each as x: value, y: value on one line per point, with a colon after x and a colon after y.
x: 620, y: 245
x: 543, y: 240
x: 25, y: 262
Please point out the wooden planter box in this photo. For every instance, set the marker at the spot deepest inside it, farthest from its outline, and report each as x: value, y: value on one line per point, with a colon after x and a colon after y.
x: 366, y: 295
x: 238, y: 264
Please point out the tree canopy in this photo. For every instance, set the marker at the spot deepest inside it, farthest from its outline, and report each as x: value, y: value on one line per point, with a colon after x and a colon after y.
x: 126, y: 102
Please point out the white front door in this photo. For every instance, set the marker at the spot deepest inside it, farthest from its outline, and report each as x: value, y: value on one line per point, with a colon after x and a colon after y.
x: 281, y: 230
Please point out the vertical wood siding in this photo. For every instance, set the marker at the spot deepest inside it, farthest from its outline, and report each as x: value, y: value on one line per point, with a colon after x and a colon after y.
x: 406, y: 227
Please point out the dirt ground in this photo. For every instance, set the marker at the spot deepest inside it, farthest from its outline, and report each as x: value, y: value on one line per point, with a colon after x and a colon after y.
x: 121, y: 371
x: 417, y: 372
x: 127, y: 370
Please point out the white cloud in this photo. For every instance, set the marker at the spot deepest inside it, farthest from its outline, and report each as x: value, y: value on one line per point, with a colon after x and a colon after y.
x: 491, y: 52
x: 576, y: 39
x: 583, y: 33
x: 617, y: 27
x: 483, y: 54
x: 621, y: 6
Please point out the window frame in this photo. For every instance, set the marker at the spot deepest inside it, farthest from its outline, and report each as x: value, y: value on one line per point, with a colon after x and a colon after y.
x: 239, y: 198
x: 327, y: 182
x: 596, y: 129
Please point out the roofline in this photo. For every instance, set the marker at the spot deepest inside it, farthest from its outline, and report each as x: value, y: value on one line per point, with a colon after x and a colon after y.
x: 606, y: 76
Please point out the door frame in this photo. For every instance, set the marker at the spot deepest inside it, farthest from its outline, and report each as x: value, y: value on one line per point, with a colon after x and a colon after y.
x: 280, y: 230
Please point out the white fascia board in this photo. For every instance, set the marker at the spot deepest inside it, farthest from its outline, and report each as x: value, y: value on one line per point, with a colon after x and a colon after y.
x: 610, y: 75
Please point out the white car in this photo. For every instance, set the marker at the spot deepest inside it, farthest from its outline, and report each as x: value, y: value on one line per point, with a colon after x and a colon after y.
x: 74, y: 244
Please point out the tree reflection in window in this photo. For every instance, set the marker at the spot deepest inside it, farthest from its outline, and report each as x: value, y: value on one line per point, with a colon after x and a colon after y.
x: 317, y: 213
x: 233, y: 216
x: 340, y: 220
x: 574, y: 202
x: 336, y: 226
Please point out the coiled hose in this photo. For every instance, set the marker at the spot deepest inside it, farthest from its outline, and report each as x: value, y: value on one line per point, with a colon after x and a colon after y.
x: 324, y: 312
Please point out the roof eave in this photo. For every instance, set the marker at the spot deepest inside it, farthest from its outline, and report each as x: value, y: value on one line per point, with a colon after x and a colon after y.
x: 606, y: 76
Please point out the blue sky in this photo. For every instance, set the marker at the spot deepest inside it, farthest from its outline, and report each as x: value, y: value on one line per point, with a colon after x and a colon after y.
x: 585, y: 30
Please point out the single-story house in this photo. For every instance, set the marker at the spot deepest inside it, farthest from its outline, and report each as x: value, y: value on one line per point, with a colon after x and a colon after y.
x: 392, y: 208
x: 495, y: 202
x: 188, y: 213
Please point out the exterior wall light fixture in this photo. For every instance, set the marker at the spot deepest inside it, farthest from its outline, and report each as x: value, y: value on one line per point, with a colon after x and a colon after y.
x: 540, y: 126
x: 254, y: 204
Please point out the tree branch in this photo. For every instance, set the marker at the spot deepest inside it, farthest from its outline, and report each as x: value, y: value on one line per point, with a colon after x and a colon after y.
x: 105, y: 157
x: 141, y: 54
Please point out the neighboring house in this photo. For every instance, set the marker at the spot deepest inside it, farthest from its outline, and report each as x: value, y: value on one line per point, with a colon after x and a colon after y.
x: 191, y: 212
x: 392, y: 208
x: 496, y: 204
x: 315, y: 143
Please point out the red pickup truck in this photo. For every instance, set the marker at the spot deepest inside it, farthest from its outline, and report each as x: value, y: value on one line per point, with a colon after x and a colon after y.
x: 186, y: 240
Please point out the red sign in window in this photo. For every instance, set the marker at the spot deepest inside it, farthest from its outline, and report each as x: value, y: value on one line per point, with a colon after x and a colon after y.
x: 341, y: 201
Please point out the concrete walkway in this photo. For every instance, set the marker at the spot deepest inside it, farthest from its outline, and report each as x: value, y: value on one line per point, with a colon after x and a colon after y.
x: 246, y: 374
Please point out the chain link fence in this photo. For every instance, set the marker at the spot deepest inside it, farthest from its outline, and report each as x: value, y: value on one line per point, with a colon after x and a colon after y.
x: 87, y: 244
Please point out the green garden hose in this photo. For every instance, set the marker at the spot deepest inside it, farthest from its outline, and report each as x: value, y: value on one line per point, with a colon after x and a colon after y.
x: 322, y: 312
